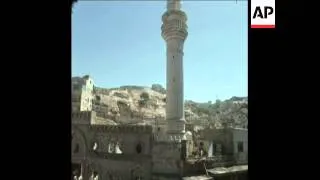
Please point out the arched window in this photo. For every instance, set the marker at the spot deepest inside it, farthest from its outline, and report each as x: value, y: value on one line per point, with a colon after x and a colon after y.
x: 76, y: 148
x: 139, y: 148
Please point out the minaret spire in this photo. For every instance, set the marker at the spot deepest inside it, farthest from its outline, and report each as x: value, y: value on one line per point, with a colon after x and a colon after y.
x: 173, y: 4
x: 174, y: 32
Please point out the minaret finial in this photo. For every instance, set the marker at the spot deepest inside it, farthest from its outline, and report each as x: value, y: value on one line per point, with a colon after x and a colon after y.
x: 173, y: 5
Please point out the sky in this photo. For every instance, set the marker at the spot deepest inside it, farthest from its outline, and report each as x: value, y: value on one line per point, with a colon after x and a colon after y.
x: 119, y: 43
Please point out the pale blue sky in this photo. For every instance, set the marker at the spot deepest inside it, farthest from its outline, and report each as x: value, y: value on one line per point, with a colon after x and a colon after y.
x: 119, y: 43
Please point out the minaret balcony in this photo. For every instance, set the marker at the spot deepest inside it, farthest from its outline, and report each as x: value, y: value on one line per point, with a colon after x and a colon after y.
x: 174, y: 25
x: 174, y: 34
x: 176, y: 14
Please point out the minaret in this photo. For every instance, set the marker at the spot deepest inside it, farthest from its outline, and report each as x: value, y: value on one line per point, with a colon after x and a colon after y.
x: 174, y: 32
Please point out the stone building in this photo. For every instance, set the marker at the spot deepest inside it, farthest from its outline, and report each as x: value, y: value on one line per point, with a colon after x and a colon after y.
x: 220, y: 153
x: 232, y: 142
x: 141, y: 152
x: 122, y: 151
x: 82, y: 93
x: 110, y: 152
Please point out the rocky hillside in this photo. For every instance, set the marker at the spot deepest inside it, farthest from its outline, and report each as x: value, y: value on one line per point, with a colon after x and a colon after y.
x: 132, y: 104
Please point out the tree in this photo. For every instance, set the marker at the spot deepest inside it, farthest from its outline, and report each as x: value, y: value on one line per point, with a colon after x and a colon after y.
x: 158, y: 88
x: 142, y: 103
x: 144, y: 96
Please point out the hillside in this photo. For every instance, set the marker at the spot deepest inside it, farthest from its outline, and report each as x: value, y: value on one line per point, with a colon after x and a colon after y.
x: 131, y: 104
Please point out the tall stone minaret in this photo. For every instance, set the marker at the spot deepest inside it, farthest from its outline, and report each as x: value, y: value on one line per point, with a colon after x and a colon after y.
x: 174, y: 32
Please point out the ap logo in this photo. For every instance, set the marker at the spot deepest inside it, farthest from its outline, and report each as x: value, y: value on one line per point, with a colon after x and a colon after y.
x: 263, y: 14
